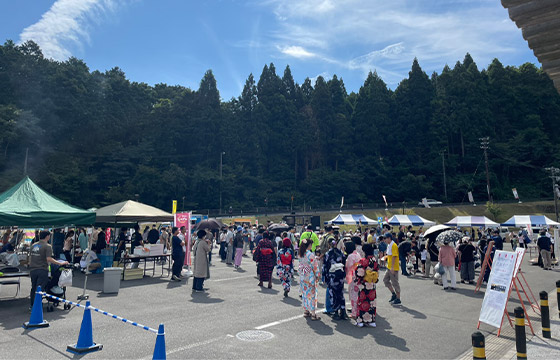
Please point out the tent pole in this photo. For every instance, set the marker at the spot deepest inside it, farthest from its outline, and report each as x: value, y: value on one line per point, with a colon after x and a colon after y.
x: 73, y: 246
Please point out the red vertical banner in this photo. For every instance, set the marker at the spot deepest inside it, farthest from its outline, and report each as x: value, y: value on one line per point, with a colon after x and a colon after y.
x: 184, y: 219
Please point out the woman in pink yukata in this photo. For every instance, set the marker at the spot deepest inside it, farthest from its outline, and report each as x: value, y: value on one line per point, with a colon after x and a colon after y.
x: 351, y: 264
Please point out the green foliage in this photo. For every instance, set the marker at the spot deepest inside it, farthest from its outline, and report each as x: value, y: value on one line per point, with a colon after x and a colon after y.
x: 494, y: 210
x: 96, y: 138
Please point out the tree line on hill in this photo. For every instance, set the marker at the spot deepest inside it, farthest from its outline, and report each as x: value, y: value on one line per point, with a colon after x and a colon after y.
x: 94, y: 138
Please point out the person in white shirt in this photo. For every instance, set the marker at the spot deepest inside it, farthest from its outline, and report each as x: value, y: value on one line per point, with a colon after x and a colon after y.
x: 229, y: 242
x: 223, y: 245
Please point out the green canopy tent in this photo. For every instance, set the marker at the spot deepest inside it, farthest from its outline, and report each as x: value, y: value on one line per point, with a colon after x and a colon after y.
x: 27, y: 205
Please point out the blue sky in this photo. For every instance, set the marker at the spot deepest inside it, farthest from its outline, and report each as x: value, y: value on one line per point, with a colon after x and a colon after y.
x: 176, y: 41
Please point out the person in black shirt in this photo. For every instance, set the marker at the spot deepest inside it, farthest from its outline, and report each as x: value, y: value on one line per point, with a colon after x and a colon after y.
x: 432, y: 258
x: 404, y: 250
x: 57, y: 243
x: 498, y: 241
x: 136, y: 241
x: 466, y: 256
x: 121, y: 245
x: 153, y: 235
x: 177, y: 254
x: 545, y: 246
x: 481, y: 246
x: 101, y: 241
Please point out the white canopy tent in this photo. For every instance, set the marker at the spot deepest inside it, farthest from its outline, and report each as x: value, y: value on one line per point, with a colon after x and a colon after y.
x: 532, y: 220
x: 406, y: 220
x: 351, y: 219
x: 472, y: 221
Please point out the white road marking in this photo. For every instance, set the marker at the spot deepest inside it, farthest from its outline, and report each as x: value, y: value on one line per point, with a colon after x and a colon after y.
x: 196, y: 344
x: 233, y: 278
x: 274, y: 323
x: 210, y: 341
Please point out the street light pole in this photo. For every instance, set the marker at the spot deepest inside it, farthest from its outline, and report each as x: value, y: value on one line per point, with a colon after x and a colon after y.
x: 484, y: 145
x: 554, y: 176
x: 221, y: 163
x: 444, y: 180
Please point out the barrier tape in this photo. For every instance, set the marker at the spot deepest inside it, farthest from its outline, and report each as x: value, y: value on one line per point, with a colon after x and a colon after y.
x: 60, y: 299
x: 155, y: 331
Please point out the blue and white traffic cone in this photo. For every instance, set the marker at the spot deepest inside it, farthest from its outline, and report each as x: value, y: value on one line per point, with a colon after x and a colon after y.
x: 85, y: 339
x: 36, y: 319
x: 159, y: 350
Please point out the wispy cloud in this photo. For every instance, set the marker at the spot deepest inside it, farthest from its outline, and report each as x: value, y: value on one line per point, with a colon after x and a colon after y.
x: 297, y: 52
x: 364, y: 35
x: 65, y: 25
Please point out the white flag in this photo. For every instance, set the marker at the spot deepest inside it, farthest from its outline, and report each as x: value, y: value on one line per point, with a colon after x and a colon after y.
x: 515, y: 194
x: 342, y: 202
x: 471, y: 199
x: 385, y: 199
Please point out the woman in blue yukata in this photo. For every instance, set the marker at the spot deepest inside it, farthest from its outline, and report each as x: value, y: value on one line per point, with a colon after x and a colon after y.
x: 333, y: 270
x: 285, y: 265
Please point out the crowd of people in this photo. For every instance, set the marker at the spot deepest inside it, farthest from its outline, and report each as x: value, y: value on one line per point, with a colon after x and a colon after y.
x: 337, y: 259
x: 328, y: 257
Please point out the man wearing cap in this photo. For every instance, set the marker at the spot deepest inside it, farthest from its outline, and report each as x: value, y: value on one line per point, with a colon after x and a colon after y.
x: 309, y: 234
x: 391, y: 278
x: 40, y: 256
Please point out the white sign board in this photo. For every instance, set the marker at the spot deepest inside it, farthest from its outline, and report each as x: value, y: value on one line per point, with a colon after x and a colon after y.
x: 497, y: 290
x: 520, y: 252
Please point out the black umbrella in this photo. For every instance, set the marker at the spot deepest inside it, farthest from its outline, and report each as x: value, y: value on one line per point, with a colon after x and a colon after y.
x: 210, y: 224
x: 279, y: 227
x: 449, y: 236
x: 434, y: 231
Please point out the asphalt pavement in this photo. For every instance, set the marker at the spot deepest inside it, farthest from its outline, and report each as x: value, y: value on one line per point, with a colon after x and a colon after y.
x: 237, y: 319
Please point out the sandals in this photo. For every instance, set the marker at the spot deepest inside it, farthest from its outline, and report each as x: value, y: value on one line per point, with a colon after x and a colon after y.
x: 306, y: 314
x: 314, y: 317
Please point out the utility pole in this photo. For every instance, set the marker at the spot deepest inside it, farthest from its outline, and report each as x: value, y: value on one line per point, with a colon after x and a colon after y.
x: 221, y: 163
x: 442, y: 153
x: 484, y: 144
x: 25, y: 163
x: 554, y: 176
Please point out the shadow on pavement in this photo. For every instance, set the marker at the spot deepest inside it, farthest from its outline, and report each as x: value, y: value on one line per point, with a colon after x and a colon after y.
x: 348, y: 328
x: 52, y: 348
x: 204, y: 298
x: 415, y: 314
x: 265, y: 290
x: 469, y: 293
x: 384, y: 337
x: 175, y: 284
x: 319, y: 326
x: 291, y: 301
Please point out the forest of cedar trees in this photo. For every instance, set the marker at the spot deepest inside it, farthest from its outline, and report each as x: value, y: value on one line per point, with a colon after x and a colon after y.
x: 95, y: 138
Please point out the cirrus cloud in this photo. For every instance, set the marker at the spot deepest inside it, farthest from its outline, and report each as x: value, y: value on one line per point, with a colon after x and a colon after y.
x: 66, y: 24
